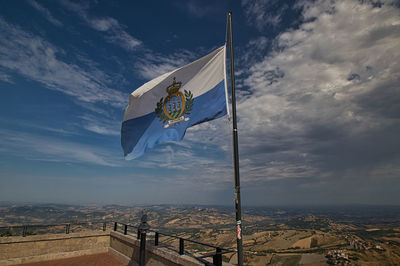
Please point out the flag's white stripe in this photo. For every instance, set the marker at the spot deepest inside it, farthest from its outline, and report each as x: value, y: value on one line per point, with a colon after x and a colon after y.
x: 199, y: 77
x: 141, y: 105
x: 226, y: 86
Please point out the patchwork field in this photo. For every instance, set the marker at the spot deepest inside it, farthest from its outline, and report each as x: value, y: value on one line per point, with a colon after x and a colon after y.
x: 271, y: 236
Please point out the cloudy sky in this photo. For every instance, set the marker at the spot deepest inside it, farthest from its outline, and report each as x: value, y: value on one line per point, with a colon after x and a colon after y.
x: 317, y: 89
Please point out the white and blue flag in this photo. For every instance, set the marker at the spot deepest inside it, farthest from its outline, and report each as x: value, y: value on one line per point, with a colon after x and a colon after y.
x: 163, y: 108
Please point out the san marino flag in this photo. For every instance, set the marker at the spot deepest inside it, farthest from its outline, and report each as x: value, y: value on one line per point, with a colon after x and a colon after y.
x: 163, y: 108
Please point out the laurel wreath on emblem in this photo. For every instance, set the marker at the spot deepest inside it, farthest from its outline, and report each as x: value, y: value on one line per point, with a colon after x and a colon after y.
x: 188, y: 106
x: 159, y: 111
x: 188, y: 102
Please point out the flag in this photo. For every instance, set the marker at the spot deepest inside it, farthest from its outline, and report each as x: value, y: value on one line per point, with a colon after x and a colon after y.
x: 163, y: 108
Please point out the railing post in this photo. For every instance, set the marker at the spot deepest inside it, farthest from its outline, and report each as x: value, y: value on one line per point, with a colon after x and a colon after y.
x: 115, y: 226
x: 142, y: 249
x: 24, y: 229
x: 125, y: 229
x: 143, y: 227
x: 67, y: 228
x: 104, y: 226
x: 156, y: 239
x: 217, y: 258
x: 181, y: 246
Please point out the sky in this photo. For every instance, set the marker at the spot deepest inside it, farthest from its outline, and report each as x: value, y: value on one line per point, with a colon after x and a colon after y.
x: 318, y: 102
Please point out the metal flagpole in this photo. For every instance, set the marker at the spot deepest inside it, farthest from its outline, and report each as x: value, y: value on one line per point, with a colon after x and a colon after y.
x: 235, y: 151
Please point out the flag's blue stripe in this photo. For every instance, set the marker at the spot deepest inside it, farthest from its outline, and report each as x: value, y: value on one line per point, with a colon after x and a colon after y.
x: 140, y: 134
x: 133, y: 129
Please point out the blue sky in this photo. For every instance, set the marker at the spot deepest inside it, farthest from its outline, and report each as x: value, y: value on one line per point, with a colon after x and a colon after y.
x: 317, y: 89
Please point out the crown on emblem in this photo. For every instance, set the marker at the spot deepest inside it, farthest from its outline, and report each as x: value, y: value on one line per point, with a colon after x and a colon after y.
x: 174, y: 87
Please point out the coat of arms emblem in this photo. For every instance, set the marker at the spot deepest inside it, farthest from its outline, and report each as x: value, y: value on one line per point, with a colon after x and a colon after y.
x: 176, y: 107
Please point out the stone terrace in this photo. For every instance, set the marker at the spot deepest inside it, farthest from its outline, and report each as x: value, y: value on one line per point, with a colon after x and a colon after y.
x: 85, y: 248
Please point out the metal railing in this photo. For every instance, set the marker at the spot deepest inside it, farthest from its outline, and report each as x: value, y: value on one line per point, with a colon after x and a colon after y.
x: 33, y: 229
x: 216, y: 256
x: 66, y: 228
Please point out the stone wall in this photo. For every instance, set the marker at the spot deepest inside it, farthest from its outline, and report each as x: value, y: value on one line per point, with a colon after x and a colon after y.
x: 18, y: 249
x: 126, y: 248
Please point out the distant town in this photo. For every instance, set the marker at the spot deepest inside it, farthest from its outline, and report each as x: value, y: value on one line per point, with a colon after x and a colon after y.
x: 352, y: 235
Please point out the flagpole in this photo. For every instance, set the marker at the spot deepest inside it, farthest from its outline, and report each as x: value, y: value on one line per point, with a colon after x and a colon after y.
x: 235, y: 151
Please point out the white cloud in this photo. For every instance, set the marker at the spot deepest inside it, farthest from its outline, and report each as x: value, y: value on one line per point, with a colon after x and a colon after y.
x: 104, y: 24
x: 36, y: 126
x: 115, y: 32
x: 199, y: 8
x: 152, y: 65
x: 45, y: 12
x: 310, y: 94
x: 39, y: 60
x: 124, y: 39
x: 6, y: 78
x: 32, y: 147
x: 101, y: 125
x: 263, y: 13
x: 195, y: 163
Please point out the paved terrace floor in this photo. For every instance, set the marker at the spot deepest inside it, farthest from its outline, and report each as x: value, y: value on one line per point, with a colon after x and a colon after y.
x: 103, y: 259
